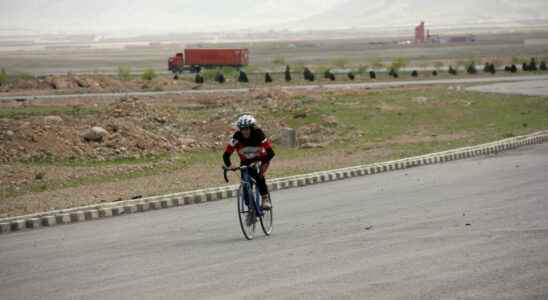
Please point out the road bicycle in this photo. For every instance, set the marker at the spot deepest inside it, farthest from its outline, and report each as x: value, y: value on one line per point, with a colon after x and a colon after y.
x: 249, y: 203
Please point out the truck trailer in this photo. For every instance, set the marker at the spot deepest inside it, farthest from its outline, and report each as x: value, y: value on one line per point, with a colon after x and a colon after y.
x: 193, y: 60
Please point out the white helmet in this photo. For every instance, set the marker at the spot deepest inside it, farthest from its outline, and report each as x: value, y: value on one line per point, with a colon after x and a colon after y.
x: 246, y: 121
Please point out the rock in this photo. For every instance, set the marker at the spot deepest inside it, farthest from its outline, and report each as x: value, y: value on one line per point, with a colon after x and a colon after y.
x: 311, y: 129
x: 40, y: 175
x: 420, y: 100
x: 312, y: 146
x: 61, y: 83
x: 53, y: 119
x: 94, y: 134
x: 330, y: 121
x: 161, y: 120
x: 10, y: 133
x: 288, y: 137
x: 187, y: 142
x: 305, y: 139
x: 301, y: 115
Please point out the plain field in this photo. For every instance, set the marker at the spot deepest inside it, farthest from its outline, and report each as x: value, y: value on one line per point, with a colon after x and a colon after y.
x: 356, y: 52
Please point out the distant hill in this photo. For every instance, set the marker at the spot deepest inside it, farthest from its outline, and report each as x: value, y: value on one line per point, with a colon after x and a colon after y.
x: 381, y: 13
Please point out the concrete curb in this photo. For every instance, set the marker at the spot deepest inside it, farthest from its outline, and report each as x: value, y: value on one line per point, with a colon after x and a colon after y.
x: 114, y: 209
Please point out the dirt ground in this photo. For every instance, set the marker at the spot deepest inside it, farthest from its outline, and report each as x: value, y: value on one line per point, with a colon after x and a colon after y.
x: 157, y: 145
x: 71, y: 84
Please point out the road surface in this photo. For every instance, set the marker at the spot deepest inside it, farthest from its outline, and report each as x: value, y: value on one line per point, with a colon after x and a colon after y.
x: 470, y: 229
x: 340, y: 86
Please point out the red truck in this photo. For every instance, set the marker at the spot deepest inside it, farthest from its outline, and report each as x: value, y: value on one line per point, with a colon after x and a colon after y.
x: 194, y: 60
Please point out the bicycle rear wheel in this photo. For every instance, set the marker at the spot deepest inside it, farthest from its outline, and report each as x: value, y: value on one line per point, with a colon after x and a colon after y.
x: 246, y: 215
x: 267, y: 220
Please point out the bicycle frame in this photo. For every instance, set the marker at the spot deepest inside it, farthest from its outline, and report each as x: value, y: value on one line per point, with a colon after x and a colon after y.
x: 247, y: 182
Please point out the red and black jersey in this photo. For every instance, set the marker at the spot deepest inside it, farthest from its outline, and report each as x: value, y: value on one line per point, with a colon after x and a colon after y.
x: 256, y: 148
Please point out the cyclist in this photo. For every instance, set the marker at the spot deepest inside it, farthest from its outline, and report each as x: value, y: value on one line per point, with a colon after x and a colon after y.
x: 252, y: 145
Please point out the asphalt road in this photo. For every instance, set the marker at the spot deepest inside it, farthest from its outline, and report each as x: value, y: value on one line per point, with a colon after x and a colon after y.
x: 341, y: 86
x: 397, y: 235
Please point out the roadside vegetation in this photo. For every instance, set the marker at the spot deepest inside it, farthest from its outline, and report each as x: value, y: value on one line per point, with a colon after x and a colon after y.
x: 172, y: 144
x: 124, y: 73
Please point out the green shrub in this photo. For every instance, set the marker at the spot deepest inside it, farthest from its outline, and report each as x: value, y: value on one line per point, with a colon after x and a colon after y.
x: 3, y: 77
x: 148, y: 74
x: 124, y: 73
x: 399, y: 63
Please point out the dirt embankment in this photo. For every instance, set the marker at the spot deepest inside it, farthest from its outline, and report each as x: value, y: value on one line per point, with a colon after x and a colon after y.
x: 90, y: 84
x: 131, y: 127
x: 47, y: 147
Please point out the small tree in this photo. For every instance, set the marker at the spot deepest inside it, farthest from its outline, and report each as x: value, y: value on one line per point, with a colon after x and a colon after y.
x: 513, y: 68
x: 148, y: 74
x: 490, y: 68
x: 243, y: 77
x: 267, y: 78
x: 471, y: 68
x: 351, y: 75
x: 199, y: 79
x: 533, y: 64
x: 326, y: 74
x: 3, y: 77
x: 220, y: 77
x: 415, y: 73
x: 287, y: 73
x: 124, y: 73
x: 543, y: 66
x: 308, y: 75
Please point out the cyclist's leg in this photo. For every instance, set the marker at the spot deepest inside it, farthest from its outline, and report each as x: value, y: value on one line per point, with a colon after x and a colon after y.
x: 245, y: 195
x: 263, y: 188
x: 260, y: 180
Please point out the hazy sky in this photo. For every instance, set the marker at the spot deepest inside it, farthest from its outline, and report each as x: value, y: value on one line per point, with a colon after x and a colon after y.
x: 162, y: 16
x: 157, y: 15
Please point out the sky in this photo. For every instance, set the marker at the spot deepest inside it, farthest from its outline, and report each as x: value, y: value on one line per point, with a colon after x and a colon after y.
x: 154, y: 16
x: 173, y: 16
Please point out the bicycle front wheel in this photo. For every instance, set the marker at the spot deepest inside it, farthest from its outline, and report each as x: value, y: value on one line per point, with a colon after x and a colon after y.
x: 246, y: 214
x: 267, y: 219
